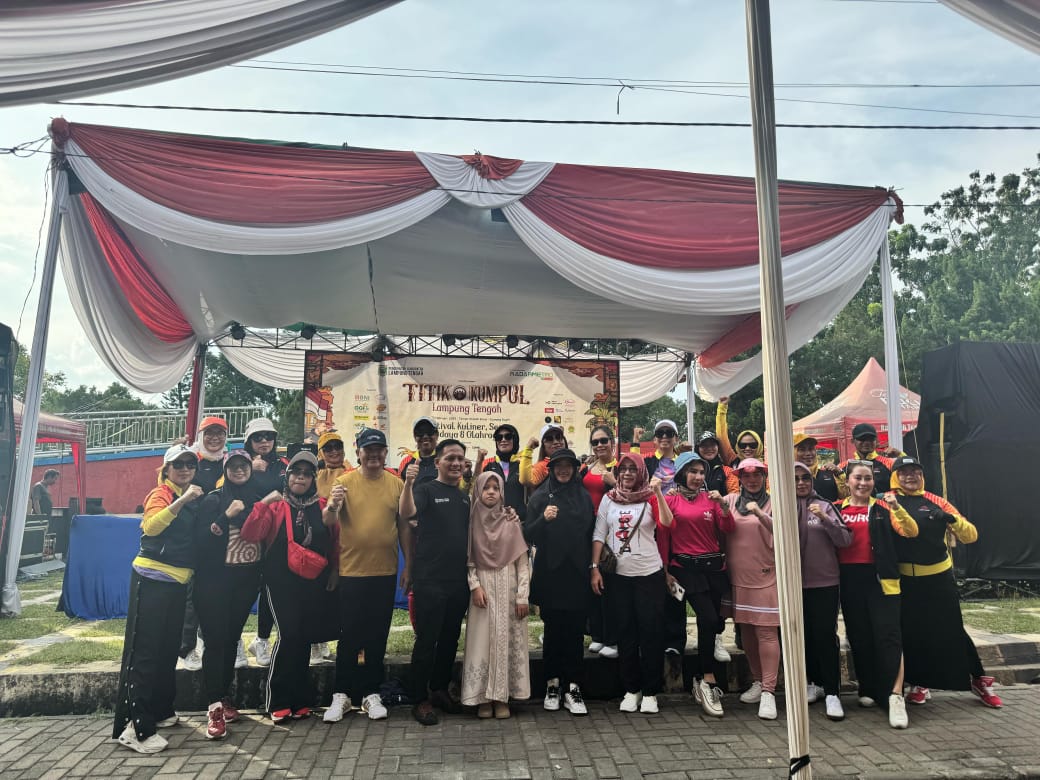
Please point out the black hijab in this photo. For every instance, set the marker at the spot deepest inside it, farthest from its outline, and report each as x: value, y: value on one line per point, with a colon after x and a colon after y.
x: 569, y: 536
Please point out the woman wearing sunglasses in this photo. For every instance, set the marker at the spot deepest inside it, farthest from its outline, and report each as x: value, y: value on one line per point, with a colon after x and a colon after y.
x: 506, y: 463
x: 597, y: 475
x: 158, y: 588
x: 749, y: 443
x: 552, y: 441
x: 296, y: 571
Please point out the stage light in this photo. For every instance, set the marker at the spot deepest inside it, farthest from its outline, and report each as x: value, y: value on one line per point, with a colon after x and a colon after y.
x: 512, y: 342
x: 237, y: 331
x: 448, y: 340
x: 307, y: 332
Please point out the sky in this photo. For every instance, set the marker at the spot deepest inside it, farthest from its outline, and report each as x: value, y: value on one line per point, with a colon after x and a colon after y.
x: 834, y: 42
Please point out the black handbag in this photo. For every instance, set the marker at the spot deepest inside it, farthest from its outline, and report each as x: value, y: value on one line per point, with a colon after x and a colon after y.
x: 607, y: 559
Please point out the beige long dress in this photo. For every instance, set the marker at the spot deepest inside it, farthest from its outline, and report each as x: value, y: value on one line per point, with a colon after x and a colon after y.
x: 496, y: 665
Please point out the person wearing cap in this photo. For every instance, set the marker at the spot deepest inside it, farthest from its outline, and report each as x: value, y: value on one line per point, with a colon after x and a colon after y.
x: 506, y: 463
x: 158, y: 588
x: 560, y: 520
x: 598, y: 476
x: 821, y: 533
x: 296, y: 598
x: 662, y: 463
x: 227, y: 581
x: 749, y: 444
x: 210, y: 446
x: 826, y: 482
x: 754, y: 603
x: 869, y: 590
x: 938, y: 651
x: 551, y: 440
x: 864, y: 440
x: 720, y: 477
x: 424, y: 430
x: 626, y: 523
x: 692, y: 521
x: 332, y: 463
x: 371, y: 532
x: 439, y: 575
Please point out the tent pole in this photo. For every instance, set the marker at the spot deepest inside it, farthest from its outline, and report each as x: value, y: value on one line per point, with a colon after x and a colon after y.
x: 888, y: 305
x: 776, y: 381
x: 10, y: 600
x: 197, y: 398
x: 691, y: 402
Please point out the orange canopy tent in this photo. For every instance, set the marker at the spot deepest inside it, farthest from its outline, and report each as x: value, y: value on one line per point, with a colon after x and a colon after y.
x: 863, y: 401
x: 55, y: 429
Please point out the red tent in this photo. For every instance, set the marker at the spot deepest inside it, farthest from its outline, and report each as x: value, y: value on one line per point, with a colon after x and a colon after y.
x: 54, y: 429
x: 864, y: 401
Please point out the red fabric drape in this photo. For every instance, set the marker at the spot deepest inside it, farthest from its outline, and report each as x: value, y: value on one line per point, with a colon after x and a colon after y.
x: 670, y: 219
x: 492, y: 167
x: 149, y: 300
x: 250, y: 183
x: 746, y: 335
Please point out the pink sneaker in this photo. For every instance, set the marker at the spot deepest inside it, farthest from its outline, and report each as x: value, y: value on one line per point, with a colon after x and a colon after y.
x: 216, y: 729
x: 983, y: 688
x: 918, y: 695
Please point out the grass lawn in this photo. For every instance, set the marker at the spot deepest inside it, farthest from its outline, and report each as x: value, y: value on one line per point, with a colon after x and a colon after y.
x: 75, y: 652
x: 6, y: 647
x: 35, y: 620
x: 1003, y: 616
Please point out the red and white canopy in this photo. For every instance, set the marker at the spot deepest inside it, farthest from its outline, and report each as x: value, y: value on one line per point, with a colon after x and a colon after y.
x: 176, y: 236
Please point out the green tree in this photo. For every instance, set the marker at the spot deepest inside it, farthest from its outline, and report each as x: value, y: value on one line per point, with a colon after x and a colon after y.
x: 58, y: 398
x: 288, y: 415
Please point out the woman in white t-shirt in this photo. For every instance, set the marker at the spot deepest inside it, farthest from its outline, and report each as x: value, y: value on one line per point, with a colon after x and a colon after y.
x: 626, y: 523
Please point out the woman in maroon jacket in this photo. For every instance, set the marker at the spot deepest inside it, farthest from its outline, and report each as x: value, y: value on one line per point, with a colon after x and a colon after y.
x: 296, y: 593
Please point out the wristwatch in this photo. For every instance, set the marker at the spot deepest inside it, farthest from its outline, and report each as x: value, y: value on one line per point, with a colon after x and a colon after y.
x: 593, y: 565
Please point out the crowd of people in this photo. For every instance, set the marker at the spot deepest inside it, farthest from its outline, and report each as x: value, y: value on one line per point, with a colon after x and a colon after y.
x: 611, y: 545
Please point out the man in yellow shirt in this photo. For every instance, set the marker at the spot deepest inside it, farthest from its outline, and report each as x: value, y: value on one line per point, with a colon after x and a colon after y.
x: 371, y: 532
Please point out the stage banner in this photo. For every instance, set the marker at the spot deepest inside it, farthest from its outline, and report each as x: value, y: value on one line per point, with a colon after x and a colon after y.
x: 468, y: 397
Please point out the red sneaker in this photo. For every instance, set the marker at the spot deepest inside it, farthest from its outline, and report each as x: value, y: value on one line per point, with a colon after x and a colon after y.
x: 300, y: 714
x: 216, y: 729
x: 918, y: 695
x: 280, y: 716
x: 983, y: 688
x: 231, y: 714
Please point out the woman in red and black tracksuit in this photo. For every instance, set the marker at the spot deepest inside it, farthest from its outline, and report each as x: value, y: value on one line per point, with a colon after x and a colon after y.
x: 296, y: 600
x: 939, y: 653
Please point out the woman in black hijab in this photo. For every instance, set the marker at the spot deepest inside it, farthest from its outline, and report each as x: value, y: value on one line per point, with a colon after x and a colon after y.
x: 559, y: 523
x: 227, y: 581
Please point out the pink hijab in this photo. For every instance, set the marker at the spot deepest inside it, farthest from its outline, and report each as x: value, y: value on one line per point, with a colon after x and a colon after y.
x: 495, y: 537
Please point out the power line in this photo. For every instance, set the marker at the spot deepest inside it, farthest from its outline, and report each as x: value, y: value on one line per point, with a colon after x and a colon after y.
x: 532, y: 121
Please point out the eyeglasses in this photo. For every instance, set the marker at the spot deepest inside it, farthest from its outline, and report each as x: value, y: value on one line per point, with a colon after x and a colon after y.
x: 856, y: 462
x: 747, y: 445
x: 334, y: 447
x: 263, y: 436
x: 301, y: 473
x: 553, y: 437
x: 803, y: 478
x: 503, y: 437
x: 599, y: 442
x: 425, y: 434
x: 665, y: 433
x: 187, y: 465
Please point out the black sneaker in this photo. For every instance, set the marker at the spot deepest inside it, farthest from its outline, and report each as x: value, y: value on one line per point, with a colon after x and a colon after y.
x: 424, y: 713
x: 443, y: 701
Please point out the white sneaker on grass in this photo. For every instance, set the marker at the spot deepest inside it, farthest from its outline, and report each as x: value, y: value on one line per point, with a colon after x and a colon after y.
x: 721, y: 653
x: 897, y: 717
x: 630, y: 703
x: 372, y: 705
x: 767, y: 706
x: 753, y: 694
x: 608, y: 651
x: 595, y: 647
x: 648, y: 706
x: 834, y: 709
x: 338, y: 708
x: 153, y: 744
x: 261, y: 650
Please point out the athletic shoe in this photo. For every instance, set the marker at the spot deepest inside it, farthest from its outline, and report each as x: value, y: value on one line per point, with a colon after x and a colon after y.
x: 216, y: 728
x: 165, y: 723
x: 326, y: 651
x: 153, y: 744
x: 241, y: 662
x: 983, y: 688
x: 721, y: 653
x: 425, y: 714
x: 316, y: 655
x: 710, y: 698
x: 813, y: 693
x: 834, y: 708
x: 918, y: 695
x: 630, y: 703
x: 442, y: 700
x: 608, y: 651
x: 897, y: 717
x: 866, y: 701
x: 193, y: 660
x: 280, y: 716
x: 595, y: 647
x: 231, y: 713
x: 372, y: 705
x: 753, y: 694
x: 261, y: 650
x: 648, y: 706
x: 552, y: 695
x: 301, y: 713
x: 767, y: 706
x: 340, y: 706
x: 573, y: 702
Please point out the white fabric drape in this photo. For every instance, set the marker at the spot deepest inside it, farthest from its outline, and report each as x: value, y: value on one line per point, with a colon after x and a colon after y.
x: 1016, y: 20
x: 466, y: 185
x: 52, y: 49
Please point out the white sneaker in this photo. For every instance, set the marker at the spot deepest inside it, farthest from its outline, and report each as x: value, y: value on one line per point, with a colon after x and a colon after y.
x: 326, y: 651
x: 261, y: 650
x: 154, y: 743
x: 193, y: 660
x: 373, y: 706
x: 166, y: 723
x: 552, y: 695
x: 866, y: 701
x: 340, y: 705
x: 721, y: 653
x: 767, y: 706
x: 630, y: 703
x: 316, y: 655
x: 241, y: 662
x: 753, y: 694
x: 648, y: 706
x: 897, y: 717
x: 834, y: 708
x: 813, y: 693
x: 573, y: 701
x: 608, y: 651
x: 709, y: 697
x: 595, y: 647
